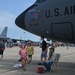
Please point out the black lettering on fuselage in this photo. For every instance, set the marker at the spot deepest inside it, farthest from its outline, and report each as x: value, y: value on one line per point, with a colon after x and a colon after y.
x: 47, y: 13
x: 66, y: 11
x: 69, y: 10
x: 56, y: 12
x: 73, y: 9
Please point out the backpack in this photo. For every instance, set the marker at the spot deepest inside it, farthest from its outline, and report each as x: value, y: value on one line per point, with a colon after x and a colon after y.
x: 41, y: 70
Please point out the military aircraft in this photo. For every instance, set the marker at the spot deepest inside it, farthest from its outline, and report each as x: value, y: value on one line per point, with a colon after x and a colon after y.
x: 3, y: 35
x: 50, y: 18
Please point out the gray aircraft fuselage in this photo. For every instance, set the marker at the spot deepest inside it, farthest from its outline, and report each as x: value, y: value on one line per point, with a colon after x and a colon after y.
x: 50, y: 18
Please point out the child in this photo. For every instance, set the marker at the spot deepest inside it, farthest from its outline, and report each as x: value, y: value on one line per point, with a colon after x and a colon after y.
x: 23, y: 53
x: 30, y: 51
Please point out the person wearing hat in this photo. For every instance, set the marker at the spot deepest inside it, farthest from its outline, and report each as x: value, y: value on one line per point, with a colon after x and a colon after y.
x: 51, y: 58
x: 30, y: 51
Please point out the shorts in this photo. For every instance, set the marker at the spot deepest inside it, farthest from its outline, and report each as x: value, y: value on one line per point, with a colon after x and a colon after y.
x: 1, y: 52
x: 44, y: 54
x: 24, y: 59
x: 29, y: 56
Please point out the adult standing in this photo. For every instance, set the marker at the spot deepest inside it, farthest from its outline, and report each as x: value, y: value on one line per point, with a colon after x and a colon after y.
x: 2, y: 48
x: 44, y: 49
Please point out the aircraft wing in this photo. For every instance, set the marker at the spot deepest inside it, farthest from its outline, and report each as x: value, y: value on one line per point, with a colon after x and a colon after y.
x: 15, y: 40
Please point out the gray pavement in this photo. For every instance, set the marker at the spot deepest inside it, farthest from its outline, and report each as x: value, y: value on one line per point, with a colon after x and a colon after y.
x: 66, y: 65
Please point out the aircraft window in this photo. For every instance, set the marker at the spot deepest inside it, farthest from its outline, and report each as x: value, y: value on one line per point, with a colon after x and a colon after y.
x: 40, y: 1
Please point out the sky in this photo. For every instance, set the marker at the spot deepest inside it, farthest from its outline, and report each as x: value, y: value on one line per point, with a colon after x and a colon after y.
x: 9, y: 10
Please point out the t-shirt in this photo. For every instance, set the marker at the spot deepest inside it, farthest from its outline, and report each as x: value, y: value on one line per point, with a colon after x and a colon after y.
x: 30, y: 50
x: 44, y: 45
x: 2, y: 45
x: 52, y: 57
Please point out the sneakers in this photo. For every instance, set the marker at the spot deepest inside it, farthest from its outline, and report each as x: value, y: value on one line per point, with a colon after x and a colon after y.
x: 20, y: 60
x: 40, y: 63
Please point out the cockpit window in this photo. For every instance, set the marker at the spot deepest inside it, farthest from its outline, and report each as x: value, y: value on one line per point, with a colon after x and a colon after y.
x: 39, y: 1
x: 42, y: 1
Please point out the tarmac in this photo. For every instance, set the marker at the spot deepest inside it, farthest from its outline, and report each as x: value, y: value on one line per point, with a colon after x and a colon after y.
x: 66, y: 64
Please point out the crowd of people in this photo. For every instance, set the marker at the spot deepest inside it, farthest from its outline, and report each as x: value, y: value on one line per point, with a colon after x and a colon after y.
x: 26, y: 52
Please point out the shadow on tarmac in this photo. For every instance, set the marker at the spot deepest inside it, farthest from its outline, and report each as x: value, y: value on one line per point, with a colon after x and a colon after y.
x: 6, y: 65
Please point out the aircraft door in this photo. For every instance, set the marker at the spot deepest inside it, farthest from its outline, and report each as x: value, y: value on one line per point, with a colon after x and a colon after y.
x: 63, y: 30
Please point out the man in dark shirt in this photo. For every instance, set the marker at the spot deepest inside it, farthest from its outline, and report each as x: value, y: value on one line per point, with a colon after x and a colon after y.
x: 44, y: 49
x: 2, y: 48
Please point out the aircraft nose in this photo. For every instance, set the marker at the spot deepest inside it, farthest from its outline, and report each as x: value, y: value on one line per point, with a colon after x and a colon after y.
x: 20, y: 21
